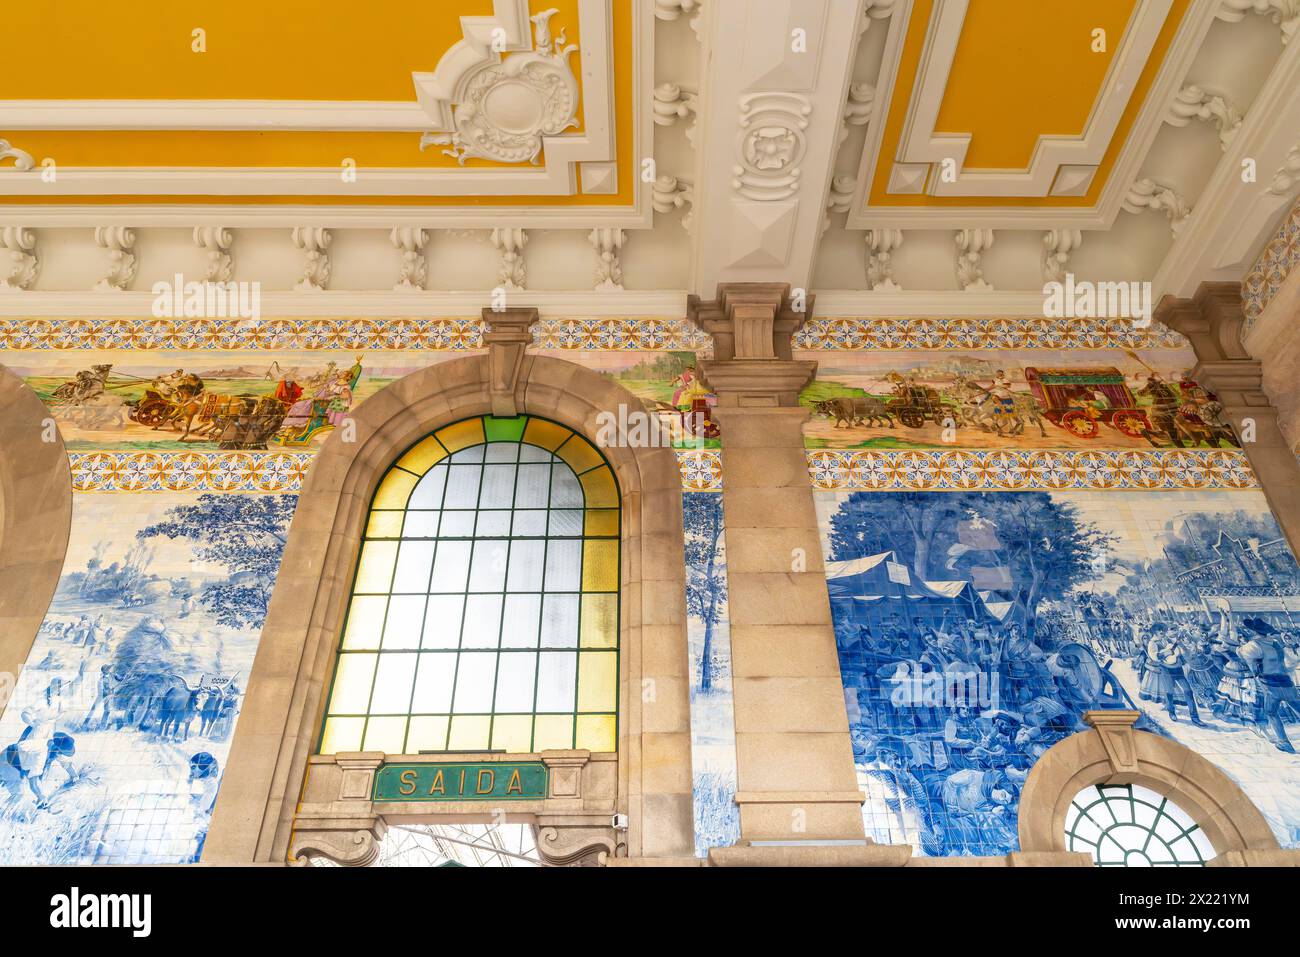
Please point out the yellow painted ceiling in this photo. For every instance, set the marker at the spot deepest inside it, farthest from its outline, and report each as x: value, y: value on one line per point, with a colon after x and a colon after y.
x: 271, y: 50
x: 1023, y: 69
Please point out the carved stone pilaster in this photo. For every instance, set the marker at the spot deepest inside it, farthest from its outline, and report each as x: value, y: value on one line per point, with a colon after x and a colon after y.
x: 1212, y: 321
x: 347, y: 831
x: 1115, y: 728
x: 507, y: 337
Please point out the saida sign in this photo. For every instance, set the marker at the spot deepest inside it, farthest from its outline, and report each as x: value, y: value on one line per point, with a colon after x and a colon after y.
x: 524, y: 781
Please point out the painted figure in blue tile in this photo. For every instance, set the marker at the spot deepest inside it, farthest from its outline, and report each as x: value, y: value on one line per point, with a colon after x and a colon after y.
x: 1266, y: 656
x: 1164, y: 673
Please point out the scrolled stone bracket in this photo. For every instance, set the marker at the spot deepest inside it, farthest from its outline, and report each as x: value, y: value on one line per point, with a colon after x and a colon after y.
x: 566, y: 840
x: 508, y: 334
x: 346, y: 831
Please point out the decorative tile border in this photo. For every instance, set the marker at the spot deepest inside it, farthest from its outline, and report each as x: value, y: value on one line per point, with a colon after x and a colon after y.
x: 188, y: 471
x: 1009, y: 332
x: 579, y: 334
x: 1275, y: 263
x: 701, y: 469
x: 432, y: 335
x: 1019, y: 470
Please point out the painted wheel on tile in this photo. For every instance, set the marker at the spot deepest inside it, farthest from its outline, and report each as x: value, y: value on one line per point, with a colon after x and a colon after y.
x: 1077, y: 422
x: 1132, y: 424
x: 912, y: 418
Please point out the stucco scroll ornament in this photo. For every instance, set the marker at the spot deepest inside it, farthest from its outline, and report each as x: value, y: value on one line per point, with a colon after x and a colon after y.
x: 1148, y: 194
x: 971, y: 246
x: 507, y: 106
x: 18, y: 246
x: 772, y: 143
x: 1195, y: 103
x: 120, y: 243
x: 22, y: 159
x: 1287, y: 175
x: 1285, y: 13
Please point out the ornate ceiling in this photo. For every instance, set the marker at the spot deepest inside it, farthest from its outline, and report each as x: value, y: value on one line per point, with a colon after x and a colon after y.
x: 894, y: 156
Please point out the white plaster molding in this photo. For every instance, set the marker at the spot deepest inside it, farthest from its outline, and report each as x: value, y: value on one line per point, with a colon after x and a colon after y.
x: 672, y: 103
x: 608, y: 244
x: 770, y: 145
x: 879, y: 9
x: 1147, y: 194
x: 898, y: 303
x: 18, y: 262
x: 504, y: 109
x: 881, y: 244
x: 1071, y: 178
x: 971, y: 246
x: 861, y: 103
x: 1058, y: 244
x: 509, y: 243
x: 1197, y: 103
x: 1287, y: 175
x: 120, y: 243
x: 409, y: 241
x: 378, y: 303
x: 674, y: 9
x: 216, y: 242
x: 1285, y: 13
x: 314, y: 241
x: 670, y: 193
x: 22, y: 159
x: 841, y: 194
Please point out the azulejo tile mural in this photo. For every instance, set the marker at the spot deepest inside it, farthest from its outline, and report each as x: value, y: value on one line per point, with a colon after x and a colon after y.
x: 1275, y: 263
x: 116, y: 737
x: 1007, y: 332
x: 975, y: 628
x: 713, y: 724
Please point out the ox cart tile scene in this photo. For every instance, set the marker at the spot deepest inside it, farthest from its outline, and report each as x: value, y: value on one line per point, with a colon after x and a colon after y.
x: 1111, y: 398
x: 117, y: 735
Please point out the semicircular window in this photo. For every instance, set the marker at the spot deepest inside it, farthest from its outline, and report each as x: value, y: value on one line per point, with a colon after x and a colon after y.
x: 484, y: 613
x: 1128, y: 825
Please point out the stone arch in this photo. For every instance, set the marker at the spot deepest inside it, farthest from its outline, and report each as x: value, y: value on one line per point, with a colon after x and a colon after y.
x: 1114, y: 752
x: 276, y: 732
x: 35, y: 517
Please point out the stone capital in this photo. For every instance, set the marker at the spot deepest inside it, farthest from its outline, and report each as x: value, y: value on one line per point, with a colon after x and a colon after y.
x: 1212, y: 320
x: 757, y: 383
x: 750, y: 320
x: 507, y: 337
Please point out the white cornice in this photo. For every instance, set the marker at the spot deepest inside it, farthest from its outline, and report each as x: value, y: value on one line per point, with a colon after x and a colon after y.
x: 669, y: 304
x: 905, y: 303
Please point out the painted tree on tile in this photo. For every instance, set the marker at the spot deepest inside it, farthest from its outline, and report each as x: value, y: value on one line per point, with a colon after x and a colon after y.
x: 706, y: 574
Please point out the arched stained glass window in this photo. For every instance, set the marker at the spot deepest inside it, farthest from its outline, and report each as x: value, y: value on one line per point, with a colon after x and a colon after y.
x: 484, y: 613
x: 1127, y: 825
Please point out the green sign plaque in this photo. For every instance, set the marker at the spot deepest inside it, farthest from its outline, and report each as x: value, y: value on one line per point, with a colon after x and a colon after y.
x: 496, y: 781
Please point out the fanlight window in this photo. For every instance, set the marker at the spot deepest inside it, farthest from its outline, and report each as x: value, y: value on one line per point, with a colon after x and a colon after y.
x: 484, y: 614
x: 1132, y: 826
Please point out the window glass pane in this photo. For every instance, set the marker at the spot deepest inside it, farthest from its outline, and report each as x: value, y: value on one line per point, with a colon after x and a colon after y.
x: 462, y: 486
x: 498, y: 486
x: 450, y: 567
x: 526, y: 560
x: 352, y: 680
x: 488, y: 573
x: 414, y: 560
x: 597, y: 681
x: 342, y: 734
x: 365, y: 621
x: 566, y: 522
x: 556, y: 681
x: 491, y: 556
x: 599, y: 621
x: 385, y: 734
x: 433, y: 683
x: 405, y: 619
x: 393, y: 679
x: 475, y: 680
x: 515, y: 677
x: 562, y: 561
x: 428, y: 494
x: 457, y: 524
x: 530, y: 523
x: 442, y: 621
x: 375, y: 570
x: 600, y: 565
x: 426, y: 734
x: 519, y: 628
x: 565, y: 490
x: 493, y: 524
x: 482, y: 621
x: 531, y: 492
x: 421, y: 524
x: 560, y: 621
x: 552, y: 731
